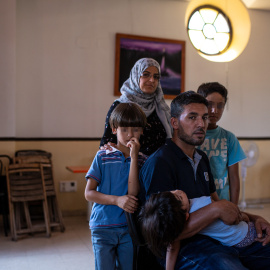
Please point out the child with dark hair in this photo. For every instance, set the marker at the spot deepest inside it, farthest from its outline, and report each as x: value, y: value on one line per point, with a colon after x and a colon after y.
x: 164, y: 216
x: 113, y: 189
x: 220, y: 145
x: 162, y: 219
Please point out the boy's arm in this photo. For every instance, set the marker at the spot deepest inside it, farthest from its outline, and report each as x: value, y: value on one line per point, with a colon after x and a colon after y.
x: 234, y: 180
x: 127, y: 202
x: 171, y: 255
x: 228, y: 212
x: 133, y: 178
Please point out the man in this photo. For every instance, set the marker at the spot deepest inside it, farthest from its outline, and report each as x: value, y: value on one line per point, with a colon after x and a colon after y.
x: 179, y: 165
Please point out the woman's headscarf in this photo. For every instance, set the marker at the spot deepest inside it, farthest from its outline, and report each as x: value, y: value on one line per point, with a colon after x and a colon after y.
x: 131, y: 92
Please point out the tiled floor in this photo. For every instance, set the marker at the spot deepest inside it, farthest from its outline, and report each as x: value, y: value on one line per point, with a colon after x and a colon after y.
x: 70, y: 250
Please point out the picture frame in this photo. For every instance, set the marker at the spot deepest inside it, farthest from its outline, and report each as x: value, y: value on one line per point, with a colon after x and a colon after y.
x: 169, y: 53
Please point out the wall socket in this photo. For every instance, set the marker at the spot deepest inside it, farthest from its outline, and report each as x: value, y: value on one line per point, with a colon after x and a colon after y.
x: 68, y: 186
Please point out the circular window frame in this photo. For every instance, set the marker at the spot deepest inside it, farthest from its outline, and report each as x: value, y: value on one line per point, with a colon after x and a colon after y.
x: 226, y: 17
x: 241, y: 25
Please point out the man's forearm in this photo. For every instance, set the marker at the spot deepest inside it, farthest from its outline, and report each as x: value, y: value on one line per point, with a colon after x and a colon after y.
x: 198, y: 220
x: 226, y: 211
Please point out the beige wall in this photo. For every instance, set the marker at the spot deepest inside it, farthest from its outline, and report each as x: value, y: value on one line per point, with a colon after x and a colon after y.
x: 57, y: 78
x: 66, y: 153
x: 258, y: 176
x: 57, y: 72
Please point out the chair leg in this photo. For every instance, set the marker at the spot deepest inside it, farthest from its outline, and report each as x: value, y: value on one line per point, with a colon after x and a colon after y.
x: 17, y: 215
x: 55, y: 213
x: 59, y: 214
x: 46, y: 218
x: 12, y: 222
x: 27, y: 216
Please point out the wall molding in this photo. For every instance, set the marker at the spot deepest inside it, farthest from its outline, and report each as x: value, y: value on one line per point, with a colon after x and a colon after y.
x: 49, y: 139
x: 98, y: 139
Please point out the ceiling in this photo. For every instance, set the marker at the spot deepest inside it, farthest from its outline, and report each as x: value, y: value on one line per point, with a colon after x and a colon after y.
x: 253, y: 4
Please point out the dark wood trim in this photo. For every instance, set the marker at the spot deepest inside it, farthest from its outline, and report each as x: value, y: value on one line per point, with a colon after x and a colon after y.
x: 253, y: 138
x: 98, y: 139
x: 48, y: 139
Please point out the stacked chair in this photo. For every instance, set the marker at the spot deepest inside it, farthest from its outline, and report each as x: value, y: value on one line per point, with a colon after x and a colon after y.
x: 25, y: 183
x: 37, y: 207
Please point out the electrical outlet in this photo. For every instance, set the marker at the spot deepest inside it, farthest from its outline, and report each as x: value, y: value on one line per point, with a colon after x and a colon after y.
x: 68, y: 186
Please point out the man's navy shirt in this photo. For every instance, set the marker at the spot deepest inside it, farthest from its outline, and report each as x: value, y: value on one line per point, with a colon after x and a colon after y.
x: 169, y: 169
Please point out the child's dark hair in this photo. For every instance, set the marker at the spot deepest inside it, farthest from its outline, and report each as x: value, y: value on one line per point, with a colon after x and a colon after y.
x: 179, y: 102
x: 162, y: 221
x: 128, y: 115
x: 206, y: 89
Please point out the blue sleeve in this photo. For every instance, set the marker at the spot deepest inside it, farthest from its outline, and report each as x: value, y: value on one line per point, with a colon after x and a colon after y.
x: 95, y: 170
x: 235, y: 151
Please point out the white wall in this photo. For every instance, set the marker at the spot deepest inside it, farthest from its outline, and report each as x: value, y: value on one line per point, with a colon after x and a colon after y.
x: 7, y: 67
x: 65, y: 52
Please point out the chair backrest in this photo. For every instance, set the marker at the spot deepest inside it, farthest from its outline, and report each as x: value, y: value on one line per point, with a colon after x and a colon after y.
x: 33, y: 152
x: 25, y: 182
x: 46, y: 161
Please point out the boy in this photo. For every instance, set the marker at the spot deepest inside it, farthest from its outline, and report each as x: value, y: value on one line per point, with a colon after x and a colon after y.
x: 221, y: 146
x: 164, y: 216
x: 108, y: 184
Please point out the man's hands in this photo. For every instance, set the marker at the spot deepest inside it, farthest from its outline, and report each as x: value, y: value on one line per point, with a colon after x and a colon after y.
x: 129, y: 203
x: 262, y: 228
x: 229, y: 213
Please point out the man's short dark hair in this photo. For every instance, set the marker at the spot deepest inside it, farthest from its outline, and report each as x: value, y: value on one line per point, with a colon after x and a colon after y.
x: 162, y: 220
x: 178, y: 104
x: 128, y: 115
x: 206, y: 89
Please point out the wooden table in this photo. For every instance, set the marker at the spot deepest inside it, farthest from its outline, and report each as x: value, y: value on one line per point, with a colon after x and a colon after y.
x: 78, y: 169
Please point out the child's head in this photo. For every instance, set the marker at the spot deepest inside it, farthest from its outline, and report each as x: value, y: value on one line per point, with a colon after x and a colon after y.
x: 216, y: 95
x: 127, y: 120
x: 162, y: 220
x: 127, y: 115
x: 205, y: 89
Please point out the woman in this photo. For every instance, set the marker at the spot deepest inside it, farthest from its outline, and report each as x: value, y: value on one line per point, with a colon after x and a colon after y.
x: 143, y: 88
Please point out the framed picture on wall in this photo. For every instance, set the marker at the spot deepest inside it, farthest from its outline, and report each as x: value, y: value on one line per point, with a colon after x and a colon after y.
x: 169, y: 53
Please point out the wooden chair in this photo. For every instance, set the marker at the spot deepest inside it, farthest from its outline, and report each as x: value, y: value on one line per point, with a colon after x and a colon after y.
x: 44, y: 158
x: 25, y: 183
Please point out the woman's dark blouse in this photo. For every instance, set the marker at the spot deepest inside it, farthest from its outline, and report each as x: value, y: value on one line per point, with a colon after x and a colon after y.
x: 154, y: 134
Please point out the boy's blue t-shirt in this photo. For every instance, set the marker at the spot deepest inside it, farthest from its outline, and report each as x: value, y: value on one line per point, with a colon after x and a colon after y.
x: 111, y: 170
x: 223, y: 150
x: 228, y: 235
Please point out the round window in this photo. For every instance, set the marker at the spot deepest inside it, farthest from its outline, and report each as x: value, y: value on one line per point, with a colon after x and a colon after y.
x: 209, y: 30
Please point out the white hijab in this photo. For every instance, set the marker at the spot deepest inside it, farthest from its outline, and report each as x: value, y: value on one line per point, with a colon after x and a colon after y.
x: 131, y: 92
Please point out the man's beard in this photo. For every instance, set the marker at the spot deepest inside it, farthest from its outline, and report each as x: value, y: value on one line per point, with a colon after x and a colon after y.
x: 181, y: 134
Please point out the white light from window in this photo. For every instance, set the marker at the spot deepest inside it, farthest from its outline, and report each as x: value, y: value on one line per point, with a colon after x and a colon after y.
x: 209, y: 30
